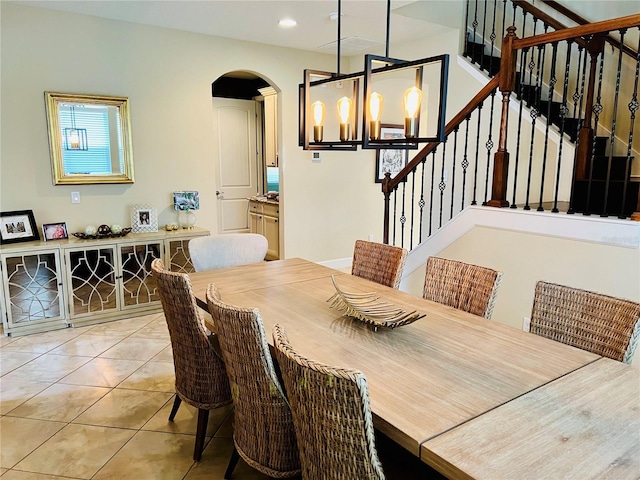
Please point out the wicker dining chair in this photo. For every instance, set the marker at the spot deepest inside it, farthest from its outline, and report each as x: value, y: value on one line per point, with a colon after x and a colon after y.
x: 464, y: 286
x: 378, y: 262
x: 263, y: 432
x: 228, y: 250
x: 600, y: 324
x: 331, y: 414
x: 201, y: 380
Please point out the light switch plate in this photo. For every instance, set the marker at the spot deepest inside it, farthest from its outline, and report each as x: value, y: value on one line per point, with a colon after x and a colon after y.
x: 75, y: 197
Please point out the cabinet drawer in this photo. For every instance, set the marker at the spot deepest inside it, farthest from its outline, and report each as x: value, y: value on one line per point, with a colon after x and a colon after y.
x: 271, y: 209
x: 255, y: 207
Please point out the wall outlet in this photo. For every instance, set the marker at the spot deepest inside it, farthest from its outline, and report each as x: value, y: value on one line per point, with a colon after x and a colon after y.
x: 371, y: 237
x: 75, y: 197
x: 526, y: 324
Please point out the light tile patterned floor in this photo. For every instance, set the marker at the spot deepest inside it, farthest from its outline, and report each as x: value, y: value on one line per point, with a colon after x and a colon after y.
x: 94, y: 402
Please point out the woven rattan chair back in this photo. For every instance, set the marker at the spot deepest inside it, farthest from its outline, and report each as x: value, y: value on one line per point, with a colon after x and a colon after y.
x: 228, y: 250
x: 201, y: 379
x: 378, y: 262
x: 600, y: 324
x: 464, y: 286
x: 263, y: 431
x: 331, y: 414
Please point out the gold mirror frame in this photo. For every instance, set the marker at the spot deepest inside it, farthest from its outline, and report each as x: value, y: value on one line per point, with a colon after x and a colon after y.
x: 53, y: 101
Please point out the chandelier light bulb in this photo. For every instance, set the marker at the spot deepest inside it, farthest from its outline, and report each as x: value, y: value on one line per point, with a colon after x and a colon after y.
x: 375, y: 112
x: 318, y: 116
x: 412, y: 100
x: 344, y: 111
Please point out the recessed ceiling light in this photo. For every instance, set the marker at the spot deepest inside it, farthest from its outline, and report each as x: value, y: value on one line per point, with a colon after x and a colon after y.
x: 287, y: 22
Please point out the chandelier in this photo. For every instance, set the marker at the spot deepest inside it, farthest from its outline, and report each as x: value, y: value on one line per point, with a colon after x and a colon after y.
x: 405, y: 85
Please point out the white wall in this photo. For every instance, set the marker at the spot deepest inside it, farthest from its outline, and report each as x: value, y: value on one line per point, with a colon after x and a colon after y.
x: 167, y: 75
x: 526, y: 258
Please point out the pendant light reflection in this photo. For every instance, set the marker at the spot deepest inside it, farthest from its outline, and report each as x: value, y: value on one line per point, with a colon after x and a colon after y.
x: 75, y: 138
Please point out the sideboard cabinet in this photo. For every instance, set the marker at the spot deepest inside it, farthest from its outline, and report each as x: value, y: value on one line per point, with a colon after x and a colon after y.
x: 46, y: 286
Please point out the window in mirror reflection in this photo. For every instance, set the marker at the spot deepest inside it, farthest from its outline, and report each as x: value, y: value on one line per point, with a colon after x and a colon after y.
x: 89, y: 138
x: 90, y: 150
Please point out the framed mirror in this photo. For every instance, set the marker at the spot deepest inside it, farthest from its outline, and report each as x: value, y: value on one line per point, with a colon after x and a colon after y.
x: 89, y: 139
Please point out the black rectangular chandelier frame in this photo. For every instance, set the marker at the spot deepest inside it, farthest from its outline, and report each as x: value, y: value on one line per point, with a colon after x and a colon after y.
x: 366, y: 143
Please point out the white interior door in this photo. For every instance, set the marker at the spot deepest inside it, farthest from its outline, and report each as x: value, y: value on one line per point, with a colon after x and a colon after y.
x: 236, y: 157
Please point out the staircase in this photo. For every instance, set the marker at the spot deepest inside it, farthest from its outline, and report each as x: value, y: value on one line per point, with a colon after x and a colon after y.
x: 588, y: 194
x: 562, y: 149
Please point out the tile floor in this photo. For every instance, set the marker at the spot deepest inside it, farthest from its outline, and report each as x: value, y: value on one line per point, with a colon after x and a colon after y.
x: 93, y: 403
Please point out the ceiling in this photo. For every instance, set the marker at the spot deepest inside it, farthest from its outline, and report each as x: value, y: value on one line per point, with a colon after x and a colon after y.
x: 363, y: 21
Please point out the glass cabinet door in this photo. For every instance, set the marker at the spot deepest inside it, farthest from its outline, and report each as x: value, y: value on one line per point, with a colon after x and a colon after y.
x: 33, y: 290
x: 179, y: 259
x: 92, y: 280
x: 138, y: 285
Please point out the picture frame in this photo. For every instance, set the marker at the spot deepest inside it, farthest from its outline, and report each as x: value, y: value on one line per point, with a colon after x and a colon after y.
x: 391, y: 160
x: 186, y: 200
x: 54, y: 231
x: 144, y: 218
x: 18, y: 226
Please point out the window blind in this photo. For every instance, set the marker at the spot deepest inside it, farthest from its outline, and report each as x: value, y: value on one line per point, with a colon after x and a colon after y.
x: 97, y: 158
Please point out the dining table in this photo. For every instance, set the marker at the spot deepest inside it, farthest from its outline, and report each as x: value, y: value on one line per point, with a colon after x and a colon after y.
x: 471, y: 397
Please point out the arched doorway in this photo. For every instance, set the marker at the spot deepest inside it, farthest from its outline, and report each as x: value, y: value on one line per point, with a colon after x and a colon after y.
x: 245, y: 130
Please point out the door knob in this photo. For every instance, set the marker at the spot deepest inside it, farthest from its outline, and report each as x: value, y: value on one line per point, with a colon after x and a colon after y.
x: 218, y: 193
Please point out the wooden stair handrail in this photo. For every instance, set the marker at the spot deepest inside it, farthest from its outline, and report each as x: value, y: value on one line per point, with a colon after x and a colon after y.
x: 576, y: 32
x: 480, y: 97
x: 583, y: 21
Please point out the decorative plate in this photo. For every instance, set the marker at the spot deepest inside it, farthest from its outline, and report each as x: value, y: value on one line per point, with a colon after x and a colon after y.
x: 84, y: 236
x: 368, y: 308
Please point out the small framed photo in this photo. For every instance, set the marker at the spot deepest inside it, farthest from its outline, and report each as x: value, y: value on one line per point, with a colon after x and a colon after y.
x: 390, y: 160
x: 54, y: 231
x: 144, y: 218
x: 18, y: 226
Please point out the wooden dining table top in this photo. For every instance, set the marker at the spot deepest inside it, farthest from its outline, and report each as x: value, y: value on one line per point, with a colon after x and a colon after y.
x: 425, y: 378
x: 584, y: 425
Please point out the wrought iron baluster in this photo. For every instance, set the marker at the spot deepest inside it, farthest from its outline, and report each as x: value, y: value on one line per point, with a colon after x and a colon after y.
x: 597, y: 110
x: 578, y: 98
x: 453, y: 167
x: 475, y: 170
x: 492, y: 37
x: 465, y: 161
x: 395, y: 212
x: 466, y: 28
x: 433, y: 172
x: 633, y: 108
x: 523, y: 61
x: 489, y: 146
x: 484, y: 29
x: 442, y: 184
x: 403, y: 218
x: 531, y: 66
x: 563, y: 113
x: 552, y: 84
x: 534, y: 113
x: 613, y: 133
x: 474, y: 24
x: 413, y: 191
x: 504, y: 19
x: 422, y: 203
